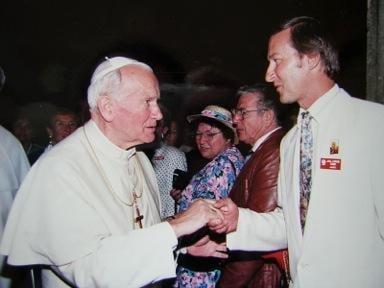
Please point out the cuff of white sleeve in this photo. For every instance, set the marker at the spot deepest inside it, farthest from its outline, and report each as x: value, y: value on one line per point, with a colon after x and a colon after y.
x: 170, y: 234
x: 233, y: 238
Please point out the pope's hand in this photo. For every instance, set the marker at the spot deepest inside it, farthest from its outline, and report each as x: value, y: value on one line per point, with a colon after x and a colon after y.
x: 230, y: 213
x: 199, y: 214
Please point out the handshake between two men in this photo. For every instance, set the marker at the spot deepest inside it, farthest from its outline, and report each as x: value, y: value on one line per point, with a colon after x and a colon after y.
x: 219, y: 216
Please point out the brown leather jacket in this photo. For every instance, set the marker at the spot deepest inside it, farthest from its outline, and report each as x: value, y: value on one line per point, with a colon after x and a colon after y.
x: 255, y: 188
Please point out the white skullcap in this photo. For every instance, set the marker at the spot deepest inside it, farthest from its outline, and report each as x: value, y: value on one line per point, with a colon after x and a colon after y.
x: 115, y: 63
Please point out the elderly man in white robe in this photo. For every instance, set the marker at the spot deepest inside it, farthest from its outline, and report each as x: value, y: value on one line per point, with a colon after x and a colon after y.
x: 14, y: 166
x: 80, y: 209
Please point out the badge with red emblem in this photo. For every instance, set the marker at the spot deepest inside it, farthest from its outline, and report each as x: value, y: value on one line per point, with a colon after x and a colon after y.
x: 334, y: 147
x: 330, y: 163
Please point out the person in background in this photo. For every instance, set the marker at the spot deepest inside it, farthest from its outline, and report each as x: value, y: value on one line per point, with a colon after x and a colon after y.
x: 14, y: 166
x: 172, y: 133
x: 24, y: 132
x: 88, y: 210
x: 256, y: 120
x: 216, y: 139
x: 62, y: 123
x: 165, y: 161
x: 330, y: 188
x: 195, y: 161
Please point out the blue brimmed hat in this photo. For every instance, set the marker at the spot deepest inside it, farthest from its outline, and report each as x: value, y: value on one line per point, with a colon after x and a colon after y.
x: 218, y: 114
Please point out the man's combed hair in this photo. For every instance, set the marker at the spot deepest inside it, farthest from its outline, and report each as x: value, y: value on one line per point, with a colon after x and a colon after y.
x: 268, y: 97
x: 307, y: 37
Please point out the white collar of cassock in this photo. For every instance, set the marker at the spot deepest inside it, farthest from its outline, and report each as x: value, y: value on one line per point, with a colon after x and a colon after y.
x: 102, y: 144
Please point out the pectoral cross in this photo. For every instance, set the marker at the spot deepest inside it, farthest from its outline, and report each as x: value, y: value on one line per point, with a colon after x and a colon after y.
x: 139, y: 217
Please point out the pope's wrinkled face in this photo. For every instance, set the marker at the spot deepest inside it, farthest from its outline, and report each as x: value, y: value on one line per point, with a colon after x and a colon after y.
x: 286, y: 70
x: 136, y: 110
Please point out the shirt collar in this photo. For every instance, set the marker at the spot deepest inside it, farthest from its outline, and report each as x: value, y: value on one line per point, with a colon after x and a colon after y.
x: 263, y: 138
x: 318, y: 106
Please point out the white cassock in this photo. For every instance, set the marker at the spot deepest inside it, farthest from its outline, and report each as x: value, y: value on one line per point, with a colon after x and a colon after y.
x: 74, y: 211
x: 14, y: 166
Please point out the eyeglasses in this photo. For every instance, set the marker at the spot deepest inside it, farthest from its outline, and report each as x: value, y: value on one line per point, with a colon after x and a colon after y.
x: 244, y: 112
x: 208, y: 135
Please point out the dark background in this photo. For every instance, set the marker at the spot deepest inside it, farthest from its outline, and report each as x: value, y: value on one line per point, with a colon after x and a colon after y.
x: 49, y: 48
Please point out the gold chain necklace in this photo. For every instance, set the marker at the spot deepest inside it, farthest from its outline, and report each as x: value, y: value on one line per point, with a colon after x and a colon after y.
x: 109, y: 185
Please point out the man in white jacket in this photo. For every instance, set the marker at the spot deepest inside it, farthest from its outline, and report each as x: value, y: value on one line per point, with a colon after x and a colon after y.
x: 342, y: 242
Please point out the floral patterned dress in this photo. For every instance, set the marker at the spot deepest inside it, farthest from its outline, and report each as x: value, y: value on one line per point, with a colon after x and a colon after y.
x: 214, y: 181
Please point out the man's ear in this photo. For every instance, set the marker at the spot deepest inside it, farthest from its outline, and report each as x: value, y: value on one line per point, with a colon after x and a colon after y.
x: 268, y: 116
x: 313, y: 60
x: 106, y: 106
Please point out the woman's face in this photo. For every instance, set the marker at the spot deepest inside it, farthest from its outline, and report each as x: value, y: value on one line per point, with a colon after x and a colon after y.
x: 62, y: 126
x: 210, y: 141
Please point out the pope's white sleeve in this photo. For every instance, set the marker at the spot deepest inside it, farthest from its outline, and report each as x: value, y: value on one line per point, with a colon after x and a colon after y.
x: 258, y: 231
x: 132, y: 260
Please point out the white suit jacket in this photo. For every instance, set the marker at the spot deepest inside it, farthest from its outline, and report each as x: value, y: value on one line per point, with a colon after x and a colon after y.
x: 343, y: 243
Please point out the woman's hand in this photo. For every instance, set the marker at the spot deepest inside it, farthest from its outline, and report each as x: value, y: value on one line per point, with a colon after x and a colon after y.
x: 175, y: 194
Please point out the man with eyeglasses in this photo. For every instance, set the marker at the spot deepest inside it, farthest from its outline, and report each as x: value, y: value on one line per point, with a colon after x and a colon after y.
x: 255, y: 117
